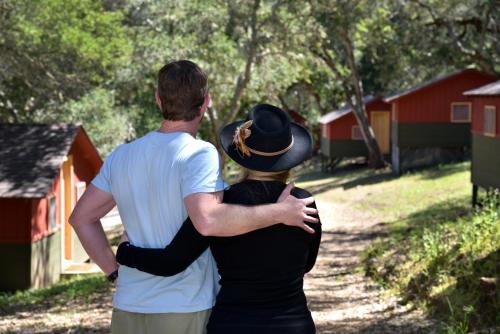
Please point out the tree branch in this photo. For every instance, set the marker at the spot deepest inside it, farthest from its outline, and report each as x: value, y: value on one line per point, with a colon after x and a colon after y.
x: 244, y: 78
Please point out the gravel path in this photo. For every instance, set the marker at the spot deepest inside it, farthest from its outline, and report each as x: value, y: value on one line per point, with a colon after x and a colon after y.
x: 343, y: 300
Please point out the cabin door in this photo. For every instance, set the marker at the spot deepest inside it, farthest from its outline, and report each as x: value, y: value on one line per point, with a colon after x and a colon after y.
x: 67, y: 195
x: 381, y: 125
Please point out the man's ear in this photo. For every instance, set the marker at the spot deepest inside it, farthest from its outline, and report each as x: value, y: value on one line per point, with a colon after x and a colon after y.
x: 158, y: 100
x: 207, y: 102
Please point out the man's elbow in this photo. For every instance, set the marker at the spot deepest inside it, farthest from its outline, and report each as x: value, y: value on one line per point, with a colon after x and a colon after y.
x: 73, y: 220
x: 76, y: 219
x: 204, y: 225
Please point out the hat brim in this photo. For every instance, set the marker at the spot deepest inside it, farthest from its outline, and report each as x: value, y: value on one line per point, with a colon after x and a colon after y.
x: 300, y: 151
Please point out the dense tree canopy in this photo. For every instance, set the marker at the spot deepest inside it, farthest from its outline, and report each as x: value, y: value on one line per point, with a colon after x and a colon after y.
x: 95, y: 61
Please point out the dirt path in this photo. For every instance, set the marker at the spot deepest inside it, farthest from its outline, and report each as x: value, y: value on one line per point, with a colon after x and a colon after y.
x: 343, y: 300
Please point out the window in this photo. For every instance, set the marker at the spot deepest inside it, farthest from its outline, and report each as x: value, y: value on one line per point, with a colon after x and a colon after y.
x: 356, y: 133
x: 460, y: 112
x: 51, y: 214
x: 490, y: 121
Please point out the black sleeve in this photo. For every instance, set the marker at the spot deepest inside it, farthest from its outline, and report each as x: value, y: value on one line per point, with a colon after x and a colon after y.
x: 187, y: 245
x: 314, y: 245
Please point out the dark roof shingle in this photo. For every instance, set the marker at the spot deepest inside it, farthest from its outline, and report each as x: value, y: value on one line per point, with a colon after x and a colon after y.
x: 31, y: 156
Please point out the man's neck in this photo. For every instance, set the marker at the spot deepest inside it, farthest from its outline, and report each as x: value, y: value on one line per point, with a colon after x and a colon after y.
x: 179, y: 126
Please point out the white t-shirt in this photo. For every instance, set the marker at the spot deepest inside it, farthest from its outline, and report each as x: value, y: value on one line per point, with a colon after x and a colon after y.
x: 149, y: 179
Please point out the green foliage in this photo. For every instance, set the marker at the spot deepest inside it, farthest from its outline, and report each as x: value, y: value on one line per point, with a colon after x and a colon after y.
x: 105, y: 122
x: 65, y: 291
x: 447, y: 261
x: 55, y: 52
x: 54, y: 49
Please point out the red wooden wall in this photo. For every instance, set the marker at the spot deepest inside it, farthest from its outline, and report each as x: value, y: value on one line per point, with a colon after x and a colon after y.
x: 26, y: 218
x: 16, y: 210
x: 432, y: 104
x: 86, y: 160
x: 86, y: 164
x: 39, y: 219
x: 478, y: 113
x: 341, y: 128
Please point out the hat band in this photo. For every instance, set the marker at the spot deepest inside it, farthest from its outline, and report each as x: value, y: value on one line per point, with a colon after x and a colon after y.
x: 241, y: 134
x: 272, y: 154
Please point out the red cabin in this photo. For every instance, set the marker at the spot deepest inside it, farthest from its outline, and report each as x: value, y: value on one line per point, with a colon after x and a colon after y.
x: 431, y: 122
x: 43, y: 171
x: 341, y: 136
x: 485, y: 137
x: 297, y: 118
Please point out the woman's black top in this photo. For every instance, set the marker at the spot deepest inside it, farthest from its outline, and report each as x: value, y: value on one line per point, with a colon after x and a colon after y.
x: 261, y: 271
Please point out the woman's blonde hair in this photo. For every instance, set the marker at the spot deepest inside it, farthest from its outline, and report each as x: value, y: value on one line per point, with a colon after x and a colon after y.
x: 281, y: 176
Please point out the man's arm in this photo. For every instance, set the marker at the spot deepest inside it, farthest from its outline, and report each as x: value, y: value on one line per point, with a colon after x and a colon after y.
x: 211, y: 217
x: 85, y: 219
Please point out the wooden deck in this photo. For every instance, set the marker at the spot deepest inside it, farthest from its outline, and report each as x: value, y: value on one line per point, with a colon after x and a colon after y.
x: 81, y: 268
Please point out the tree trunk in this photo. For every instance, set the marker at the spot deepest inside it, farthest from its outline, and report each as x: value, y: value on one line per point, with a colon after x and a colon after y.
x: 244, y: 78
x: 241, y: 83
x: 376, y: 158
x: 353, y: 91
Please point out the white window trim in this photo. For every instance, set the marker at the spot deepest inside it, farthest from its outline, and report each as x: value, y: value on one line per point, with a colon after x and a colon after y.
x: 461, y: 103
x: 495, y: 121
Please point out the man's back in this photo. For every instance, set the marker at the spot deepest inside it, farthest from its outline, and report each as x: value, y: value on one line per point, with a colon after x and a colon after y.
x: 149, y: 179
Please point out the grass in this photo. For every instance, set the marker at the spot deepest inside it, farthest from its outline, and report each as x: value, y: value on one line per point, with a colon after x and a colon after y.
x: 81, y: 287
x: 438, y: 253
x: 396, y: 199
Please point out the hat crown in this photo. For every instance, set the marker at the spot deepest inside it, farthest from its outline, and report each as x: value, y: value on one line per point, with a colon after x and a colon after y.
x: 270, y: 130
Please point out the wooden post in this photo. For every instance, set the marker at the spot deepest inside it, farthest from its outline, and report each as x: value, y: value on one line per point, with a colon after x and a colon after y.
x: 474, y: 195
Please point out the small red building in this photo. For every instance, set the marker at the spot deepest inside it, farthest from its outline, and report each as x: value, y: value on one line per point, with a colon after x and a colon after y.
x: 297, y: 118
x: 431, y: 122
x: 43, y: 171
x: 485, y: 137
x: 341, y: 136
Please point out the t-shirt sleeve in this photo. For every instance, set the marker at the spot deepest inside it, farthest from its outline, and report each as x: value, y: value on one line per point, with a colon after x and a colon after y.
x: 103, y: 179
x: 201, y: 172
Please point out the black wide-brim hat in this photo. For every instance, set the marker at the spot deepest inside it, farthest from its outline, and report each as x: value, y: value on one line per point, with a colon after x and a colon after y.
x: 267, y: 141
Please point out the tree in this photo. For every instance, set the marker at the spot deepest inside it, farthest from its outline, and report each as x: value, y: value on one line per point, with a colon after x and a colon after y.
x: 338, y: 23
x: 55, y: 50
x: 248, y: 49
x: 469, y: 28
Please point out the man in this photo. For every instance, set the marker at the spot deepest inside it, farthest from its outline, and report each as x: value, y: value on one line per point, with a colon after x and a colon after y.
x: 156, y: 181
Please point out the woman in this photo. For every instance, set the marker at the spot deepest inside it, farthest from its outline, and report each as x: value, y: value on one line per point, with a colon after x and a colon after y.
x: 261, y: 271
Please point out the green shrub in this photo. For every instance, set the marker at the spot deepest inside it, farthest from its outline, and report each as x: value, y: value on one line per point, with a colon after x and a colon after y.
x: 449, y: 265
